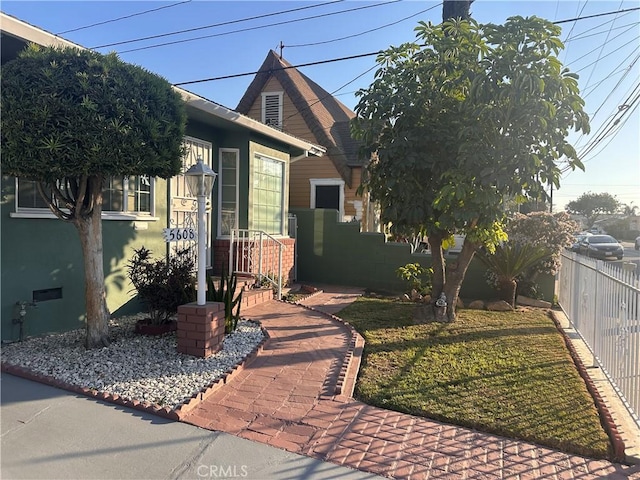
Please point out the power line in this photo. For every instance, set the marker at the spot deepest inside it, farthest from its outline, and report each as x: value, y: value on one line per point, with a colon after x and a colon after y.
x: 230, y: 22
x: 224, y: 77
x: 285, y: 22
x: 366, y: 31
x: 594, y: 16
x: 602, y: 49
x: 123, y: 18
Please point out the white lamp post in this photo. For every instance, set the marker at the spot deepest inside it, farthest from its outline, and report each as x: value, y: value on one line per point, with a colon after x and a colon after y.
x: 200, y: 179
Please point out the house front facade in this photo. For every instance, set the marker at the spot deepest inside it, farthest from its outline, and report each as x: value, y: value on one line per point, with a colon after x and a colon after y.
x: 282, y: 96
x: 42, y: 265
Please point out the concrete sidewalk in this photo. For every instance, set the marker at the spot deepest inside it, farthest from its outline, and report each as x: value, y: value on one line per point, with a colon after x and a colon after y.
x: 49, y: 433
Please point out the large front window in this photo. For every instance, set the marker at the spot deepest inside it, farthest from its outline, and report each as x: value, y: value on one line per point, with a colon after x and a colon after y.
x: 267, y: 195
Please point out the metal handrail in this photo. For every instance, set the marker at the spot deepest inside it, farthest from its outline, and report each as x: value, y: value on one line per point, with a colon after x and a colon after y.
x: 245, y: 245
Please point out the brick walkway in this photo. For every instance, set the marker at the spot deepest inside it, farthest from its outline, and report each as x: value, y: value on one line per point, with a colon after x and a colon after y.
x: 285, y: 398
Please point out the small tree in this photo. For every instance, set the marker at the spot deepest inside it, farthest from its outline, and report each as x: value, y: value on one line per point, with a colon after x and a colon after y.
x: 71, y: 119
x: 460, y: 120
x: 593, y: 205
x: 508, y: 261
x: 552, y: 231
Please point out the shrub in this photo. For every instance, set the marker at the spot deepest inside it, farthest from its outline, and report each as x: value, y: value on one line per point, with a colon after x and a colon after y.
x: 162, y: 284
x: 417, y: 277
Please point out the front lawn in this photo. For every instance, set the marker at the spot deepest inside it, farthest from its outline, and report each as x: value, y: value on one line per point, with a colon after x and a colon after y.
x: 505, y: 373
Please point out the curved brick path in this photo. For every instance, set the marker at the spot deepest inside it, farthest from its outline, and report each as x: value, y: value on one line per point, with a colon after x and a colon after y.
x: 285, y: 398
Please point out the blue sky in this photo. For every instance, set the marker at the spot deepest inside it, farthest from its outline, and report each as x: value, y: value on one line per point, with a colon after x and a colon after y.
x: 604, y: 51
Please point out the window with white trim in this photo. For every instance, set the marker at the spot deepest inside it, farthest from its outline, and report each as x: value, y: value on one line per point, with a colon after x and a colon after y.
x: 122, y: 195
x: 327, y: 193
x: 228, y: 178
x: 267, y: 194
x: 272, y: 109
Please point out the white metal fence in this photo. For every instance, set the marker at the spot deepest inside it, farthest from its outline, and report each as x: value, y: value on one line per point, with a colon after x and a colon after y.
x: 602, y: 301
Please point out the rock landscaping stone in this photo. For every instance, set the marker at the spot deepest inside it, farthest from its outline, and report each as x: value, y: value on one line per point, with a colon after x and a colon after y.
x: 134, y: 367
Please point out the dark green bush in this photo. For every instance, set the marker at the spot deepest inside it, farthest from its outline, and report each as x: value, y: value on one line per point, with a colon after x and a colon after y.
x: 162, y: 284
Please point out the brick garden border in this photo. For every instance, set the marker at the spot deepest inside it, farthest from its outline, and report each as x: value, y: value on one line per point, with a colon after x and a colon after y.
x: 350, y: 367
x: 617, y: 444
x: 177, y: 413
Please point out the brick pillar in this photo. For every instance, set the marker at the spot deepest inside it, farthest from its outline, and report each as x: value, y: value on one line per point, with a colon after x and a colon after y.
x: 200, y: 328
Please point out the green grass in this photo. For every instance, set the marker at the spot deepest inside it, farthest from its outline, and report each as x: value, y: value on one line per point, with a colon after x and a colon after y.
x: 507, y: 373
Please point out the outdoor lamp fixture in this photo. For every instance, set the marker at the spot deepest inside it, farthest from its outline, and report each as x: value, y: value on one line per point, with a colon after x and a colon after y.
x: 200, y: 179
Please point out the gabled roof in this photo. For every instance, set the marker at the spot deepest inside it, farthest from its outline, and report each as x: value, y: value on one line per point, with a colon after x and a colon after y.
x: 16, y: 33
x: 327, y: 117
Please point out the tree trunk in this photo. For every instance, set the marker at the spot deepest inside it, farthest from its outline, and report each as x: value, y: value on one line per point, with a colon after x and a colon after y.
x: 90, y: 231
x: 455, y: 276
x: 507, y: 290
x: 437, y: 265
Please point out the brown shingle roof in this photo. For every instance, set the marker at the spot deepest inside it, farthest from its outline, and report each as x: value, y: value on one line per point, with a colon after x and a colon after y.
x: 327, y: 118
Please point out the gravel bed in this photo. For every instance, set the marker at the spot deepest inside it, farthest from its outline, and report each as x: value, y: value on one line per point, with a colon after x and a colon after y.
x: 136, y: 367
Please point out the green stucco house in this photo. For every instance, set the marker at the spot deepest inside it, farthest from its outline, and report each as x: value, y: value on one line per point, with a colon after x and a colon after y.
x: 41, y: 259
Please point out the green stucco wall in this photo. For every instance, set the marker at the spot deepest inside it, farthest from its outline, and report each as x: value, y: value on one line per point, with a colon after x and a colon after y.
x: 338, y: 254
x: 42, y: 253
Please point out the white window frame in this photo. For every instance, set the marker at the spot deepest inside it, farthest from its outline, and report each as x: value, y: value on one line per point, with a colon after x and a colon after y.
x: 283, y: 194
x: 237, y: 182
x: 26, y: 212
x: 331, y: 182
x: 280, y: 96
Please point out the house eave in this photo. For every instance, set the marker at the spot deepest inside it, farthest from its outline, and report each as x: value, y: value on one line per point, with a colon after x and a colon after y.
x: 225, y: 114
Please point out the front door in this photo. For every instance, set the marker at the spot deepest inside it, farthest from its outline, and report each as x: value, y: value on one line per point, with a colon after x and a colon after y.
x: 182, y: 205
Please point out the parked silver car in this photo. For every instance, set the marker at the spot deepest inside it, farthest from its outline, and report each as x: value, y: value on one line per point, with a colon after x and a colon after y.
x: 601, y: 246
x: 637, y: 243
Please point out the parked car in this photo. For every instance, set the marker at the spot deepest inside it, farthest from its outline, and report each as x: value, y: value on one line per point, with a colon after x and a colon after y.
x: 575, y: 246
x: 601, y: 246
x: 637, y: 244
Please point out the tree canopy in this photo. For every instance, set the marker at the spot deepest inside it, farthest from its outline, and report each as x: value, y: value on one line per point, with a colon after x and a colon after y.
x: 72, y: 119
x: 592, y: 205
x: 460, y: 120
x: 70, y: 112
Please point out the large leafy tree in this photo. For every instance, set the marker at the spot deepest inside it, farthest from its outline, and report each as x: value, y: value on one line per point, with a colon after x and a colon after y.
x: 593, y: 205
x: 71, y: 119
x: 460, y: 120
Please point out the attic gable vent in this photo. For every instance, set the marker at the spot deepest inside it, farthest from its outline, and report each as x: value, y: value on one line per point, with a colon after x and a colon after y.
x: 272, y: 109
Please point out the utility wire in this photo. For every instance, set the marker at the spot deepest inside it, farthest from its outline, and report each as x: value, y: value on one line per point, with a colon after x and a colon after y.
x: 122, y: 18
x: 602, y: 48
x: 589, y: 53
x: 243, y: 29
x: 351, y: 57
x: 225, y: 77
x: 230, y: 22
x: 594, y: 16
x: 583, y: 36
x: 366, y: 31
x: 606, y: 128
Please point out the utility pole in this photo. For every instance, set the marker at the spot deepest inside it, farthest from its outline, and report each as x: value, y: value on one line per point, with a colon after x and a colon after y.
x: 456, y: 9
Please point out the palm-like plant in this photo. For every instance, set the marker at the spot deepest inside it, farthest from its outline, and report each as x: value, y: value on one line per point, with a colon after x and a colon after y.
x: 510, y: 260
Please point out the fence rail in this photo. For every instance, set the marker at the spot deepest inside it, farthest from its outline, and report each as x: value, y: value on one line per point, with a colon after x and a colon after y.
x: 255, y: 252
x: 602, y: 301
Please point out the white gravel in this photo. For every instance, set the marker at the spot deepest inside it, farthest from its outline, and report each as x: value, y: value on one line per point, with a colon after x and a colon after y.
x: 136, y: 367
